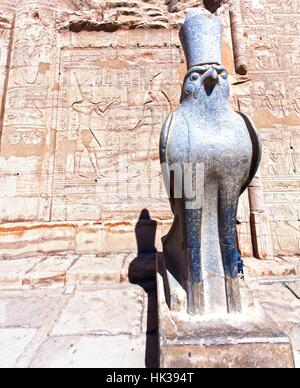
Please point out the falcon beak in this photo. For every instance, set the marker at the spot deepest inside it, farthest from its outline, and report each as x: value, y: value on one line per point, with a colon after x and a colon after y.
x: 211, y: 77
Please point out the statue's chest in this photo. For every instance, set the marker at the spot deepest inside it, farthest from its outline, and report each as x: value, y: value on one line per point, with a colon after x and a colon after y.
x: 226, y: 142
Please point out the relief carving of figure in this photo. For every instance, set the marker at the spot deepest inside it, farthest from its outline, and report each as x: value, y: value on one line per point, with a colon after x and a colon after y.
x: 157, y: 106
x: 280, y: 156
x: 279, y: 98
x: 86, y: 138
x: 275, y: 100
x: 32, y: 56
x: 290, y: 156
x: 295, y: 98
x: 296, y: 105
x: 268, y: 54
x: 272, y: 162
x: 287, y: 235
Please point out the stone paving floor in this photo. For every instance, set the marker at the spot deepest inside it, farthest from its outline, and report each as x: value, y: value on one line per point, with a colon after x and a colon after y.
x: 71, y: 312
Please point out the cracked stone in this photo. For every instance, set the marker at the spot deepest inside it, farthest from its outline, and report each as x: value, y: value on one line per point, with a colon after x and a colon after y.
x: 279, y: 302
x: 50, y: 271
x: 295, y: 288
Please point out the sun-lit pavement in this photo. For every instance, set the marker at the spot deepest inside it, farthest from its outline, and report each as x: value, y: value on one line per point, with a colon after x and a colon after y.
x: 85, y: 312
x: 281, y: 300
x: 77, y: 312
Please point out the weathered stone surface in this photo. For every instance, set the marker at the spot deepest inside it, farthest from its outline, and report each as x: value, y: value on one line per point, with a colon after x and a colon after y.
x: 68, y: 239
x: 91, y: 269
x: 294, y: 288
x: 261, y: 232
x: 52, y: 270
x: 91, y: 352
x: 276, y: 267
x: 12, y: 272
x: 27, y: 308
x: 74, y: 270
x: 13, y: 343
x: 249, y: 355
x: 126, y: 267
x: 214, y: 6
x: 280, y: 303
x: 109, y: 311
x: 25, y: 240
x: 293, y: 260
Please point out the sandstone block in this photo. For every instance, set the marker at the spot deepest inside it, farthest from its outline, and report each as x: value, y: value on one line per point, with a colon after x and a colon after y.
x: 92, y: 269
x: 267, y: 268
x: 12, y: 272
x: 52, y: 270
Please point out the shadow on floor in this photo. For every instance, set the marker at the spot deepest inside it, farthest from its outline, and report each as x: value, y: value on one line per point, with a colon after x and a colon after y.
x: 142, y: 272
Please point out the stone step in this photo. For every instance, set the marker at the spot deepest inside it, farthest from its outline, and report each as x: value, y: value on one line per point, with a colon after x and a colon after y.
x: 278, y: 267
x: 75, y: 270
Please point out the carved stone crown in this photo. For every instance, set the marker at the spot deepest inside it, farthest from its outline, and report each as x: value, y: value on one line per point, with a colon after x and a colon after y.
x: 201, y: 38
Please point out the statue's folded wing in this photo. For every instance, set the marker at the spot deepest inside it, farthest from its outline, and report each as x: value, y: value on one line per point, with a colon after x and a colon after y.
x: 256, y: 149
x: 164, y: 138
x: 163, y: 153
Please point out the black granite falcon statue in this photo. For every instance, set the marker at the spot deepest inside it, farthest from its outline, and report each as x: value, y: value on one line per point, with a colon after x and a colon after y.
x: 223, y: 151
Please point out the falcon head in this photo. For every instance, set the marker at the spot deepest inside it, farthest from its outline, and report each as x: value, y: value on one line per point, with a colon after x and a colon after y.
x: 207, y: 81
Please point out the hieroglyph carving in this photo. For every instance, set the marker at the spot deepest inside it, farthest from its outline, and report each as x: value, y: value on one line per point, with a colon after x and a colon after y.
x: 109, y: 120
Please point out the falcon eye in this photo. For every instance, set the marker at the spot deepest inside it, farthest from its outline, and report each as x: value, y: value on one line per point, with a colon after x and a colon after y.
x: 189, y: 89
x: 195, y: 76
x: 224, y: 74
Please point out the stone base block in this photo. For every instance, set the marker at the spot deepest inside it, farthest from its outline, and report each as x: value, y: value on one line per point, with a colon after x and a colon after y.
x: 248, y: 340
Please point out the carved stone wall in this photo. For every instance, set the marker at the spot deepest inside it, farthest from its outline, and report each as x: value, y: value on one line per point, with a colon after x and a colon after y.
x: 272, y: 33
x: 85, y: 86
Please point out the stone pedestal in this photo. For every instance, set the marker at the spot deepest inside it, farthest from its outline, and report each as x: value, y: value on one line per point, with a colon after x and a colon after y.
x: 248, y: 340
